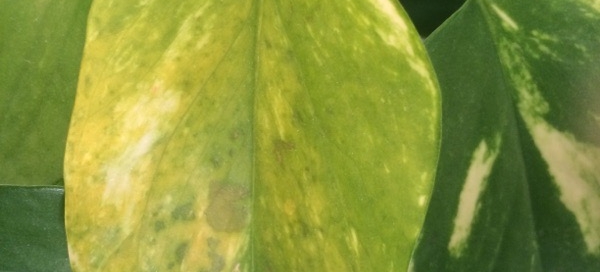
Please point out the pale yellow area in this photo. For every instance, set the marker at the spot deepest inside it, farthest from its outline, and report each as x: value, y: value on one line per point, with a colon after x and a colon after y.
x: 397, y: 34
x: 388, y: 9
x: 125, y: 173
x: 507, y: 21
x: 595, y: 4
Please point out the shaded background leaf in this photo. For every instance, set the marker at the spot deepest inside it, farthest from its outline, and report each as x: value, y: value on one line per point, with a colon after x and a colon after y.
x: 259, y: 135
x: 41, y: 43
x: 528, y: 70
x: 428, y: 15
x: 33, y: 229
x: 481, y: 180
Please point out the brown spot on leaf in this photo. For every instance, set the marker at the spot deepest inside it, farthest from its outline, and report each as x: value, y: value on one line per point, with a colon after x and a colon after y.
x: 228, y: 207
x: 282, y: 147
x: 159, y: 225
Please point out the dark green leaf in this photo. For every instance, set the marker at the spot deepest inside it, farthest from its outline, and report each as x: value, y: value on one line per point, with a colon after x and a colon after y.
x: 528, y: 72
x: 40, y: 51
x: 481, y: 180
x: 428, y: 15
x: 32, y: 229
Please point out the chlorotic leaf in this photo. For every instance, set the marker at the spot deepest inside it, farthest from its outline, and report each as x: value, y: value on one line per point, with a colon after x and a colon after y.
x: 41, y: 43
x: 33, y: 229
x: 528, y: 70
x: 250, y: 136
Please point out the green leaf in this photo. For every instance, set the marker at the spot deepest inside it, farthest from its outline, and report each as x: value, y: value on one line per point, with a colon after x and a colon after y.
x: 41, y: 44
x: 255, y: 135
x: 33, y: 229
x: 428, y: 15
x: 526, y: 72
x: 481, y: 180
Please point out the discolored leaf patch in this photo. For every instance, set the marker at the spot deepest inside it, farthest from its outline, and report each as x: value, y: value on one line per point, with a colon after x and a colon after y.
x: 228, y: 208
x: 250, y: 136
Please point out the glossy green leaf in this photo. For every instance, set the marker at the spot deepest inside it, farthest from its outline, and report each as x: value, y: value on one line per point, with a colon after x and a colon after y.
x: 41, y: 44
x: 428, y: 15
x: 32, y: 236
x: 254, y: 136
x: 521, y: 113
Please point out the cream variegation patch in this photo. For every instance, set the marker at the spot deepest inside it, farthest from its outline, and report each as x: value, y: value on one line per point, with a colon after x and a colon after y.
x: 482, y: 162
x: 574, y: 167
x: 507, y: 20
x: 572, y: 163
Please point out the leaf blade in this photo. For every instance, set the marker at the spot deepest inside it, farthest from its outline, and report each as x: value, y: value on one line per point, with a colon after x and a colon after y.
x: 208, y: 172
x: 33, y: 229
x: 540, y: 63
x: 40, y: 53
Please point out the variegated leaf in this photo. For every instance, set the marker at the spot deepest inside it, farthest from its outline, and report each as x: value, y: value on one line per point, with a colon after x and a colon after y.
x: 545, y: 57
x: 250, y: 136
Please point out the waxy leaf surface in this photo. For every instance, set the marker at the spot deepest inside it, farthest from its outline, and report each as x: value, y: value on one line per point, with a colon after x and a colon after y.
x: 41, y: 44
x: 33, y: 229
x: 518, y: 185
x: 250, y: 136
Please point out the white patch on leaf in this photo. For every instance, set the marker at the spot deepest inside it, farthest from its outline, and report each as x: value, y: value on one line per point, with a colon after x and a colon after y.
x: 386, y: 7
x: 573, y: 165
x: 482, y: 161
x: 539, y: 45
x: 118, y: 173
x: 507, y: 21
x: 575, y: 169
x: 397, y: 33
x: 139, y: 127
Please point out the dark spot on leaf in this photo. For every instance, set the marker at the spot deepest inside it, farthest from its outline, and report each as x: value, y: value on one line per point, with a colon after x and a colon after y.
x: 282, y: 147
x: 180, y: 251
x: 187, y: 84
x: 228, y: 207
x: 184, y: 212
x: 216, y: 161
x: 159, y: 225
x: 59, y: 181
x: 235, y: 134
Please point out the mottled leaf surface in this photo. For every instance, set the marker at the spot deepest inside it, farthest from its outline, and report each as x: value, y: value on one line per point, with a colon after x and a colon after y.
x: 528, y: 73
x: 32, y: 236
x: 41, y: 44
x: 254, y: 136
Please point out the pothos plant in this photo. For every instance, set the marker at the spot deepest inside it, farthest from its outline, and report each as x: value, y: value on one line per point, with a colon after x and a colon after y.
x: 299, y: 136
